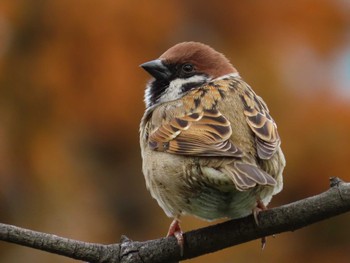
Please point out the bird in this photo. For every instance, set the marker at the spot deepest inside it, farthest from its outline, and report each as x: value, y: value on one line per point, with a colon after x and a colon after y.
x: 209, y: 145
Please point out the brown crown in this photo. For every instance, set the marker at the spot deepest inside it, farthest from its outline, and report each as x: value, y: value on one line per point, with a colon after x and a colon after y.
x: 203, y: 57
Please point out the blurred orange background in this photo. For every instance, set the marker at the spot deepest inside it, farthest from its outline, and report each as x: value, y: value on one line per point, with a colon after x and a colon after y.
x: 71, y: 98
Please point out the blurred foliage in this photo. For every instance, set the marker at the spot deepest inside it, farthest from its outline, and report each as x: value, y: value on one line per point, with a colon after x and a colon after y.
x: 71, y: 98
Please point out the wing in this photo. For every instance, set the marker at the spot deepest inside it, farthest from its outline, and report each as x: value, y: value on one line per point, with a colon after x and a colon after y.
x: 245, y: 175
x: 204, y: 133
x: 262, y: 124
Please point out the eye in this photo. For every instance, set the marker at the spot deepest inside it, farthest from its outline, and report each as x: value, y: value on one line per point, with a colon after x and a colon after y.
x: 187, y: 68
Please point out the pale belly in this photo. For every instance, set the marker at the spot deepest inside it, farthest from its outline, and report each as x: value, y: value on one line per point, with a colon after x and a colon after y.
x: 182, y: 187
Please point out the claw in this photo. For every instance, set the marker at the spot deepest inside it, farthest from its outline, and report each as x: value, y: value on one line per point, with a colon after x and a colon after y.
x: 263, y: 243
x: 175, y: 230
x: 259, y: 207
x: 256, y: 212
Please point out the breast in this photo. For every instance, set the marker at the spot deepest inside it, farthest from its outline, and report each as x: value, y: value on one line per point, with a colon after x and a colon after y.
x: 180, y: 187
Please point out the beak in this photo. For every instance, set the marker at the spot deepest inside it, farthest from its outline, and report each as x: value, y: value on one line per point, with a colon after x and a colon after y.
x: 156, y: 69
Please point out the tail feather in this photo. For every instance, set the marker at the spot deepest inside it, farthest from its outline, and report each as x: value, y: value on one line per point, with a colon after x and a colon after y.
x: 246, y: 176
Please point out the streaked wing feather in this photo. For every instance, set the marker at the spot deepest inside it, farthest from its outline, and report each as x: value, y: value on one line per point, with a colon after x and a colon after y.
x: 262, y: 124
x: 200, y: 134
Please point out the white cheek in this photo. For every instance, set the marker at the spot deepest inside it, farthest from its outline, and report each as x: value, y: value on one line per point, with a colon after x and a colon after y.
x: 174, y: 91
x: 232, y: 75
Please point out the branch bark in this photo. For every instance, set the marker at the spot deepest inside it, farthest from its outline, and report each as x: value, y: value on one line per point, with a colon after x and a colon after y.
x: 289, y: 217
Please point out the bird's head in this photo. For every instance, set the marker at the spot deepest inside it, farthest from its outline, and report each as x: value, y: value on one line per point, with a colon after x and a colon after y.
x: 181, y: 68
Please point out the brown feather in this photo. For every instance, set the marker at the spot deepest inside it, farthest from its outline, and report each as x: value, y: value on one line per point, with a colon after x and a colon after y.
x: 203, y: 133
x: 261, y: 123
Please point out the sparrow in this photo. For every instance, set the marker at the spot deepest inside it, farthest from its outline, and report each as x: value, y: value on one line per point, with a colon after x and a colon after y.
x: 209, y: 145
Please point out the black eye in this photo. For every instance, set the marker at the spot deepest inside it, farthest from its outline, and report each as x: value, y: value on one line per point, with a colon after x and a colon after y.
x: 187, y: 68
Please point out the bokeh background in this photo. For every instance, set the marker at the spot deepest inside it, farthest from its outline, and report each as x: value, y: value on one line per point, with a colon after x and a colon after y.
x: 71, y: 97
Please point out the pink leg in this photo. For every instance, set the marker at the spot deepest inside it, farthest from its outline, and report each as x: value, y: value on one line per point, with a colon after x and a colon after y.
x: 259, y: 207
x: 175, y: 230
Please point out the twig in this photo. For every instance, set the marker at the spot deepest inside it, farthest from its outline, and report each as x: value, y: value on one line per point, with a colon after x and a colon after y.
x: 289, y: 217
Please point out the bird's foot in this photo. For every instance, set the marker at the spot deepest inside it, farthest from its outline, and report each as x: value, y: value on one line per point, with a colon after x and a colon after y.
x: 256, y: 210
x: 259, y: 207
x: 175, y: 230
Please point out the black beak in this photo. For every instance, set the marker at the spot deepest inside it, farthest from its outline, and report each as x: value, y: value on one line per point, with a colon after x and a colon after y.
x: 157, y: 69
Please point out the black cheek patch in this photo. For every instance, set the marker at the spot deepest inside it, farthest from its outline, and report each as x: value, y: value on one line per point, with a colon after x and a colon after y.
x: 191, y: 85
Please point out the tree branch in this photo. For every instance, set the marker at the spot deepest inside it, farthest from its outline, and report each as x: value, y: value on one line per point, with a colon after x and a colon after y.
x: 289, y: 217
